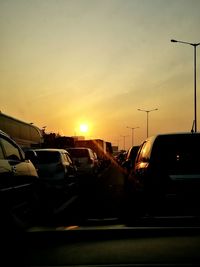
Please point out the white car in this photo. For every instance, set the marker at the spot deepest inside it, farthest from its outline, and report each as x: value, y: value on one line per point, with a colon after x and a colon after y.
x: 85, y: 159
x: 53, y: 164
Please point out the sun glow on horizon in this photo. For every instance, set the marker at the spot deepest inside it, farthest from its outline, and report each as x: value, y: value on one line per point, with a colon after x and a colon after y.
x: 84, y: 127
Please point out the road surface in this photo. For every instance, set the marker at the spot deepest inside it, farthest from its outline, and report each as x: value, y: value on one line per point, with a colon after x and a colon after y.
x: 100, y: 197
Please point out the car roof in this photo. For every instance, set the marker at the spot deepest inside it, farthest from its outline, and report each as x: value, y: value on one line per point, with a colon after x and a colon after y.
x: 173, y: 134
x: 50, y: 149
x: 181, y: 133
x: 82, y: 148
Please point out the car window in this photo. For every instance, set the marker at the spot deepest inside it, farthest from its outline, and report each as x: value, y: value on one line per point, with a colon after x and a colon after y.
x: 128, y: 153
x: 64, y: 157
x: 91, y: 154
x: 78, y: 153
x: 1, y: 152
x: 145, y: 150
x: 45, y: 157
x: 68, y: 158
x: 95, y: 155
x: 179, y: 153
x: 11, y: 152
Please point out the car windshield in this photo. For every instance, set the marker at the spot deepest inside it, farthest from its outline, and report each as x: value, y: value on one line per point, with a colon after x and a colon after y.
x: 180, y: 154
x: 99, y: 79
x: 46, y: 157
x: 78, y: 153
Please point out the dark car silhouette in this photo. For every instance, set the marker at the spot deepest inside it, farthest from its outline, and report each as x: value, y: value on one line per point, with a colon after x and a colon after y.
x: 57, y: 178
x: 129, y: 161
x: 18, y: 181
x: 166, y: 175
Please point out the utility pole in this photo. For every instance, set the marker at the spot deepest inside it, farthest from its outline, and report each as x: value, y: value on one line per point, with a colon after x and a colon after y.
x: 124, y: 137
x: 132, y: 130
x: 195, y: 80
x: 147, y: 112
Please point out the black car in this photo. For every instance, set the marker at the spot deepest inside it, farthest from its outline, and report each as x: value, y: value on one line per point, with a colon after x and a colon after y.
x: 18, y: 183
x: 129, y: 161
x: 166, y: 175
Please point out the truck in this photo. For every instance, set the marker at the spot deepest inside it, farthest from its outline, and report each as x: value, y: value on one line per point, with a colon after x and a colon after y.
x: 24, y: 134
x: 53, y: 140
x: 100, y: 147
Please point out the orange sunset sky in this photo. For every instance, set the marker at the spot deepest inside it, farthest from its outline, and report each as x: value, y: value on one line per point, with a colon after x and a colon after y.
x: 69, y: 62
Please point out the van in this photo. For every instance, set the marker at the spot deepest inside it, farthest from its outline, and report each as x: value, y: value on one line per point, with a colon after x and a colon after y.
x: 86, y: 160
x: 166, y: 174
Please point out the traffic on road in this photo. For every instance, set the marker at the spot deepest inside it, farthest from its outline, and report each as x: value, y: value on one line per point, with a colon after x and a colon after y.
x: 53, y: 185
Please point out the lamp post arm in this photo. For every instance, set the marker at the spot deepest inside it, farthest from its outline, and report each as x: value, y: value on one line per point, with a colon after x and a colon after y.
x: 183, y: 42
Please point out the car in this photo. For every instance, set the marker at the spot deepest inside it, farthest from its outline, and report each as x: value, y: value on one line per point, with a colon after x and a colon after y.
x: 129, y: 161
x: 86, y: 160
x: 58, y: 178
x: 166, y: 175
x: 120, y: 157
x: 53, y: 164
x: 18, y: 182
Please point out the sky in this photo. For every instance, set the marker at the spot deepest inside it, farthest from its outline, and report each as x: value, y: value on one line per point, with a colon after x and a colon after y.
x: 68, y: 62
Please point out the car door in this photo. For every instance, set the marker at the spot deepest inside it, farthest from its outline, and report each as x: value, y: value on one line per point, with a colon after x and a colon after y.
x: 6, y: 175
x: 20, y: 173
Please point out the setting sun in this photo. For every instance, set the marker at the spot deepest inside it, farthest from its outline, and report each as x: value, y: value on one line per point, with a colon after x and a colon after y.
x: 84, y: 128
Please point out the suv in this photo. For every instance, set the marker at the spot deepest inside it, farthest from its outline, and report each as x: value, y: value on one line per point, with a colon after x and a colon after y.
x: 58, y: 178
x: 18, y: 178
x: 166, y: 175
x: 53, y: 164
x: 86, y: 160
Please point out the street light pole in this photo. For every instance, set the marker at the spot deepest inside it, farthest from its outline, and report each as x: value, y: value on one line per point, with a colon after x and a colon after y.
x: 195, y: 83
x: 195, y: 90
x: 132, y: 129
x: 124, y: 136
x: 147, y: 111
